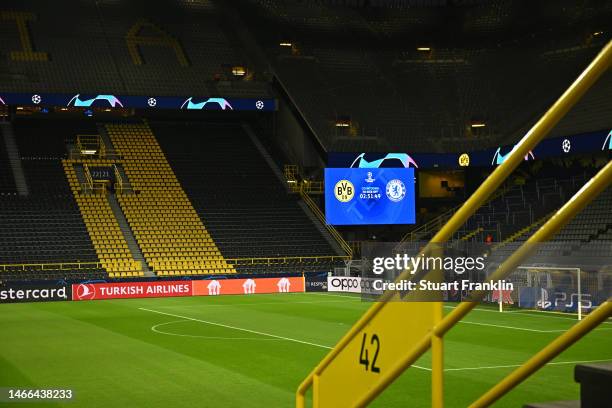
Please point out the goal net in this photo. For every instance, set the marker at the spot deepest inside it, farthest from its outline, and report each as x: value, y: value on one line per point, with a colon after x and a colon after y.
x: 551, y: 288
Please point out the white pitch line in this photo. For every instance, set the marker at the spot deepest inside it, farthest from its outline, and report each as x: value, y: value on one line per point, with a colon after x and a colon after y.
x: 251, y: 331
x: 353, y: 297
x: 156, y: 330
x: 476, y: 309
x: 235, y: 328
x: 528, y: 312
x: 256, y: 303
x: 519, y: 365
x: 513, y: 327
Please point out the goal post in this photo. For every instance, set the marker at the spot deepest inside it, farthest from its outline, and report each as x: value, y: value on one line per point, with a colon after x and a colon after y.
x: 556, y: 288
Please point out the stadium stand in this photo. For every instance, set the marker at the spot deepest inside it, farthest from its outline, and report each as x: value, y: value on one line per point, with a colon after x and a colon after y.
x: 45, y: 227
x: 425, y: 101
x: 120, y: 48
x: 585, y: 242
x: 102, y: 226
x: 7, y: 181
x: 173, y: 238
x: 249, y: 212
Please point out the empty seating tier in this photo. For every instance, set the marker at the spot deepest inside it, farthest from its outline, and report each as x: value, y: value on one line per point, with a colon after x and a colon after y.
x: 103, y: 228
x: 167, y: 228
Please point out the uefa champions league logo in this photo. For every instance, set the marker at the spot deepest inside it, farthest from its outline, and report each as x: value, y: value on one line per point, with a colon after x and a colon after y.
x: 566, y: 146
x: 370, y: 179
x: 396, y: 190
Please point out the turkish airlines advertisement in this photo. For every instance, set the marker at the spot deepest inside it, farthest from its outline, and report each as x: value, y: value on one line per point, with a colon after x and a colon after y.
x: 216, y: 287
x: 126, y: 290
x: 213, y: 287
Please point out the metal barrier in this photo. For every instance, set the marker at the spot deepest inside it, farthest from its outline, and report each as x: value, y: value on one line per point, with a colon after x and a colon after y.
x: 305, y: 187
x: 443, y: 324
x: 234, y: 261
x: 61, y: 266
x: 334, y: 233
x: 284, y: 260
x: 121, y: 187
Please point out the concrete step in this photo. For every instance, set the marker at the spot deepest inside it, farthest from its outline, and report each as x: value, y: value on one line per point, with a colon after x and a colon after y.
x: 102, y: 132
x: 324, y: 233
x: 6, y: 130
x: 129, y: 235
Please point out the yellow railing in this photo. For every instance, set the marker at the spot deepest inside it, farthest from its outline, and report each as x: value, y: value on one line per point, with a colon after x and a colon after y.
x: 284, y: 260
x: 120, y: 186
x: 92, y: 147
x: 436, y: 223
x: 312, y: 187
x: 305, y: 187
x: 333, y: 232
x: 291, y: 172
x: 471, y: 234
x: 296, y: 182
x: 441, y: 324
x: 89, y: 146
x: 599, y: 315
x: 90, y: 186
x: 522, y: 231
x: 429, y: 227
x: 233, y: 261
x: 50, y: 266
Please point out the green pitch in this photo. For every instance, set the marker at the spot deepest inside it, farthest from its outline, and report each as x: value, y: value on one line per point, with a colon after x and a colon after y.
x: 238, y: 351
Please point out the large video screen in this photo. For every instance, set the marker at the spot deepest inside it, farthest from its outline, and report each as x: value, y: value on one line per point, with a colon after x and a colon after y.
x: 367, y: 196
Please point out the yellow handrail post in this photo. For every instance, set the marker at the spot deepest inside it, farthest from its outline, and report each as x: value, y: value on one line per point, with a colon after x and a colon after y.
x: 545, y: 355
x: 585, y: 195
x: 569, y: 98
x: 437, y: 363
x: 580, y: 200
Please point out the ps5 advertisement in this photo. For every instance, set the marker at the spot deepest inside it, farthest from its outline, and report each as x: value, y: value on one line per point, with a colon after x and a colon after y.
x: 369, y: 196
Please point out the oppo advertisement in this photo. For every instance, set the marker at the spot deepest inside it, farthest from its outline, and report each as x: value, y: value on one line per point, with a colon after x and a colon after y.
x: 366, y: 196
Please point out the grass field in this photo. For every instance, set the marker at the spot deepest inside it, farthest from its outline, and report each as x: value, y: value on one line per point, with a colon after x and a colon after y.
x: 237, y: 351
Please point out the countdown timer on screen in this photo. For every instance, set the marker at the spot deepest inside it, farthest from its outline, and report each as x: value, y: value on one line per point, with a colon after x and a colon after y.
x: 365, y: 196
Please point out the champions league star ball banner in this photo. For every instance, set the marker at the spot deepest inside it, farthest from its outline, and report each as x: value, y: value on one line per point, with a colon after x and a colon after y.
x: 366, y: 196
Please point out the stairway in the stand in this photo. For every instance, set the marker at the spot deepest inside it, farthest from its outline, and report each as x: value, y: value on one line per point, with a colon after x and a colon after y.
x: 80, y: 173
x: 324, y: 233
x: 129, y: 235
x: 6, y: 130
x: 110, y: 149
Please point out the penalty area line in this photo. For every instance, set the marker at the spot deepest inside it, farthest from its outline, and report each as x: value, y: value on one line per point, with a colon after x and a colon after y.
x: 519, y: 365
x: 227, y: 326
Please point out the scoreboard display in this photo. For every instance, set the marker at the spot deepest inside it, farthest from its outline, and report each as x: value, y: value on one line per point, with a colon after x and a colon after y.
x: 369, y: 196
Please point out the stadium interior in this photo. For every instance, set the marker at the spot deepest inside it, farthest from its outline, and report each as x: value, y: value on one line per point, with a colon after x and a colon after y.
x: 126, y: 187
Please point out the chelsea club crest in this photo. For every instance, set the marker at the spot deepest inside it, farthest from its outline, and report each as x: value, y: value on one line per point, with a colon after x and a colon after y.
x: 396, y: 190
